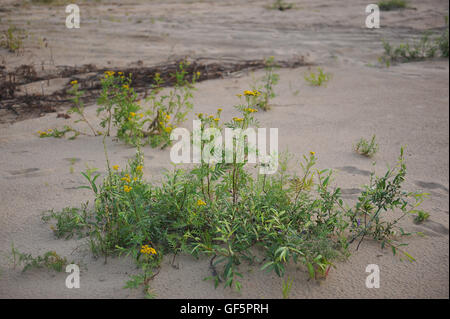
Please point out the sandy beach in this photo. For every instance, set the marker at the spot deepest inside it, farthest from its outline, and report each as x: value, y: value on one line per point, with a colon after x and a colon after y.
x: 403, y: 105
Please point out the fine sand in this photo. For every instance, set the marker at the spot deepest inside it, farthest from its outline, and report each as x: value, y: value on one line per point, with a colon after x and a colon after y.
x: 406, y: 104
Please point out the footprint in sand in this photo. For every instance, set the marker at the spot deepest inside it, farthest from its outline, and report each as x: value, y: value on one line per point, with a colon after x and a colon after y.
x: 28, y: 172
x: 354, y: 170
x: 431, y: 185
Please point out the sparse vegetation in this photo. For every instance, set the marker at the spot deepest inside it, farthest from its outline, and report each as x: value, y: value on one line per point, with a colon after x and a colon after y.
x: 282, y: 5
x: 12, y: 39
x: 317, y: 79
x: 119, y: 108
x: 425, y: 48
x: 421, y: 216
x: 50, y: 260
x: 268, y: 83
x: 366, y: 148
x: 388, y: 5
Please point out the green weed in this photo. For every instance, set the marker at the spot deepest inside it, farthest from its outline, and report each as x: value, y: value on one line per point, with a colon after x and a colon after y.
x: 366, y: 148
x: 318, y: 79
x: 50, y: 260
x: 269, y: 81
x: 12, y: 39
x: 388, y: 5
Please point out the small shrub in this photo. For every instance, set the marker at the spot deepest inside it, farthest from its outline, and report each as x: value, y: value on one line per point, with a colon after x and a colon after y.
x: 281, y: 5
x: 366, y: 148
x: 421, y: 216
x: 12, y: 39
x: 266, y: 89
x: 50, y: 260
x: 388, y: 5
x: 318, y: 79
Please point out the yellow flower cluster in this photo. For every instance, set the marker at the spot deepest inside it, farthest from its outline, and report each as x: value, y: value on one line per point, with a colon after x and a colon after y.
x: 252, y: 93
x: 146, y: 249
x: 126, y: 179
x: 74, y: 82
x: 127, y: 188
x: 109, y: 73
x: 312, y: 153
x: 250, y: 110
x: 115, y: 167
x: 43, y: 133
x: 237, y: 119
x: 201, y: 203
x: 139, y: 168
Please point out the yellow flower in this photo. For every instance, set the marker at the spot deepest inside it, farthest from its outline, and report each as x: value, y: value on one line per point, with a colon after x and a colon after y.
x: 50, y: 130
x: 141, y: 115
x: 200, y: 115
x: 132, y: 114
x: 126, y: 86
x: 120, y: 73
x: 167, y: 117
x: 249, y: 93
x: 216, y: 119
x: 74, y: 82
x: 110, y: 73
x: 312, y: 153
x: 126, y: 179
x: 219, y: 110
x: 116, y: 167
x: 201, y: 203
x: 146, y: 249
x: 135, y: 179
x: 198, y: 74
x: 168, y: 129
x: 237, y: 119
x: 139, y: 168
x: 127, y: 188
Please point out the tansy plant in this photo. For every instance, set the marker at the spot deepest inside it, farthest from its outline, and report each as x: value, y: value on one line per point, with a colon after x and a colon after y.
x: 231, y: 214
x: 119, y: 107
x: 266, y: 85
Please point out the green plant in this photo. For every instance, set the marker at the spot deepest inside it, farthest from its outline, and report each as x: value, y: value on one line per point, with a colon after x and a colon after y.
x: 286, y: 288
x: 58, y: 133
x: 281, y: 5
x: 442, y: 41
x: 385, y: 194
x: 119, y: 104
x: 69, y: 221
x: 425, y: 48
x: 12, y: 39
x: 421, y: 216
x: 318, y: 79
x: 78, y: 107
x: 388, y: 5
x: 266, y: 89
x: 227, y: 212
x: 366, y: 148
x: 50, y: 260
